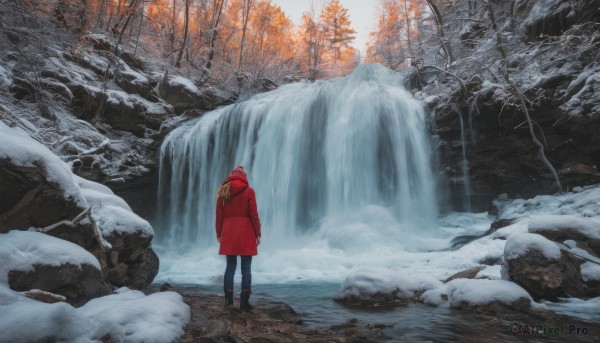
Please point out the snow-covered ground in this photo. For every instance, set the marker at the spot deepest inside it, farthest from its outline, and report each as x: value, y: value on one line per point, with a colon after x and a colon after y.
x: 126, y: 315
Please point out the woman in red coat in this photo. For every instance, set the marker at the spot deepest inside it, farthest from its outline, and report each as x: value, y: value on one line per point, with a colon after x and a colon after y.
x: 238, y: 231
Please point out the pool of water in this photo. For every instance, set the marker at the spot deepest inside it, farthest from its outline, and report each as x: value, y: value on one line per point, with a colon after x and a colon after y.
x: 415, y: 323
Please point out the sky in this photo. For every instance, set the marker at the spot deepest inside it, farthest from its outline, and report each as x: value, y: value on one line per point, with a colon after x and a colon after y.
x: 363, y: 15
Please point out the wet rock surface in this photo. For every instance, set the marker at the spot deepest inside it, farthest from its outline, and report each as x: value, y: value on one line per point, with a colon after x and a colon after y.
x: 267, y: 322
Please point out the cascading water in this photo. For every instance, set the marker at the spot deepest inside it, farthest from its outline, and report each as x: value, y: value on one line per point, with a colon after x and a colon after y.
x: 340, y: 168
x: 464, y: 165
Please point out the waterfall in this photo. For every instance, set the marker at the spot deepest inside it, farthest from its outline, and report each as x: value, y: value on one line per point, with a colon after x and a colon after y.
x: 464, y: 165
x: 343, y: 159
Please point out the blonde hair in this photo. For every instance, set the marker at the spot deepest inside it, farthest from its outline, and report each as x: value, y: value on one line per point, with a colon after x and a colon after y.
x: 224, y: 192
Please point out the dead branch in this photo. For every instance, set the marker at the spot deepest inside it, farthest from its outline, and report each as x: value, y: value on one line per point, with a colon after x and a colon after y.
x: 520, y: 96
x: 43, y: 296
x: 75, y: 222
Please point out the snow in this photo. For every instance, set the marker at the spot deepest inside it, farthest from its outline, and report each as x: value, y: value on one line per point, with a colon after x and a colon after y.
x: 590, y: 271
x: 580, y: 252
x: 518, y: 245
x: 586, y: 227
x: 25, y: 151
x: 21, y: 250
x: 489, y: 272
x: 111, y: 212
x: 5, y: 78
x: 132, y: 75
x: 186, y: 83
x: 584, y: 203
x: 127, y: 316
x: 134, y: 101
x: 584, y: 309
x: 475, y: 292
x: 365, y: 283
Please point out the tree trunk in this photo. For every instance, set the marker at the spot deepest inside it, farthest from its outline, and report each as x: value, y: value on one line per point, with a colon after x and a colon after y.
x: 218, y: 6
x: 440, y: 28
x: 185, y: 33
x: 245, y: 16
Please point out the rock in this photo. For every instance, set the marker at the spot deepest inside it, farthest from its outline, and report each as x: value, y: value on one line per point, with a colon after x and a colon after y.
x: 500, y: 223
x: 552, y: 21
x: 465, y: 274
x: 183, y: 94
x: 497, y: 307
x: 268, y: 322
x: 39, y: 190
x: 480, y: 295
x: 77, y: 284
x: 383, y: 289
x: 575, y: 173
x: 491, y: 261
x: 560, y: 228
x: 31, y: 199
x: 117, y: 275
x: 140, y: 193
x: 141, y: 274
x: 264, y: 85
x: 132, y: 113
x: 540, y: 267
x: 165, y: 287
x: 97, y: 41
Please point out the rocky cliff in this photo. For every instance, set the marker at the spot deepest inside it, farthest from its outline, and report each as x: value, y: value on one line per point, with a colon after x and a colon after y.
x: 552, y: 52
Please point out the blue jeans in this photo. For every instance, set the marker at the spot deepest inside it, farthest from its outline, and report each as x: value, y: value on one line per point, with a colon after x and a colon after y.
x: 230, y: 271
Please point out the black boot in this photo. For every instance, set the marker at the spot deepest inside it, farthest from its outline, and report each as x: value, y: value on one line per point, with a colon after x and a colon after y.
x: 244, y: 297
x: 228, y: 297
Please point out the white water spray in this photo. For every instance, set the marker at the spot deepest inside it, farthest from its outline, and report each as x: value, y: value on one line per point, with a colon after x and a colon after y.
x: 341, y: 167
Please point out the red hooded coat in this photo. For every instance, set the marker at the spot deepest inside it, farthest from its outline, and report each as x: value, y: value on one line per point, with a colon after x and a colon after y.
x: 237, y: 221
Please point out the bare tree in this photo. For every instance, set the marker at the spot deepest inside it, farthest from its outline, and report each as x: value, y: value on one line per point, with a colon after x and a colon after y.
x: 246, y: 7
x: 520, y: 95
x: 185, y: 33
x: 217, y: 12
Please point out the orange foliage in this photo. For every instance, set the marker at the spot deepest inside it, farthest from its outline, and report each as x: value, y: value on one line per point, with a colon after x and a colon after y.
x: 394, y: 41
x: 262, y: 42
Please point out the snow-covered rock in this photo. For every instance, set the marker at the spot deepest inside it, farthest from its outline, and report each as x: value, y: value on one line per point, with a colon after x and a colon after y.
x: 383, y: 287
x: 127, y: 316
x: 560, y: 228
x: 539, y: 266
x: 39, y: 190
x: 489, y: 295
x: 183, y: 94
x: 33, y: 260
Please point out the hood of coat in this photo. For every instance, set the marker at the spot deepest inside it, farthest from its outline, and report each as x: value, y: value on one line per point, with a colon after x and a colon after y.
x: 238, y: 184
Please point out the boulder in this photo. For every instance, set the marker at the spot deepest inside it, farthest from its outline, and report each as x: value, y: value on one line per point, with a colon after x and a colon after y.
x: 549, y: 18
x: 539, y: 266
x: 140, y: 275
x: 131, y: 261
x: 40, y: 191
x: 560, y: 228
x: 33, y: 260
x: 480, y: 295
x: 383, y: 288
x: 34, y: 195
x: 183, y: 94
x: 77, y: 283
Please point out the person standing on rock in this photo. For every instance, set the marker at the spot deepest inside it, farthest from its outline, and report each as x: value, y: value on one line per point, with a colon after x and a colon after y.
x: 238, y: 232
